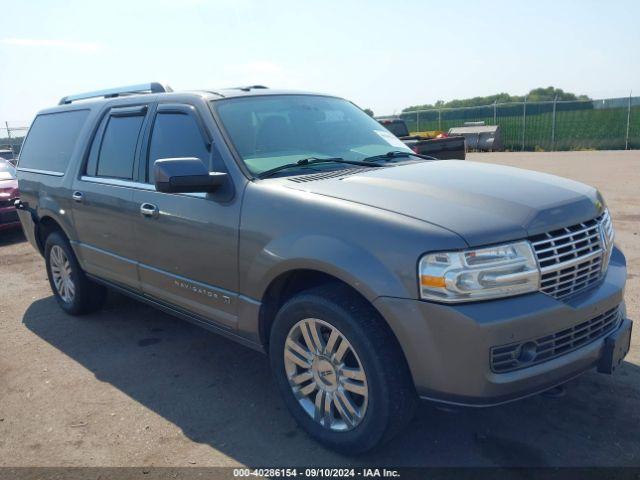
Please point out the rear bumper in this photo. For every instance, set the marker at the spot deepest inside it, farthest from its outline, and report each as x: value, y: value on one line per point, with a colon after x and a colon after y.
x: 29, y: 228
x: 448, y: 347
x: 9, y: 218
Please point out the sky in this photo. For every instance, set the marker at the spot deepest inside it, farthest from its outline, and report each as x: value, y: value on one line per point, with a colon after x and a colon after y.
x: 383, y: 55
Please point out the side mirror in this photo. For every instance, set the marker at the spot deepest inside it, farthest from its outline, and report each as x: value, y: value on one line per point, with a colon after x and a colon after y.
x: 181, y: 175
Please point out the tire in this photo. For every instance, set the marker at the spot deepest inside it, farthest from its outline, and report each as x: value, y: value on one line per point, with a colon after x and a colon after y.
x: 82, y: 295
x: 385, y: 400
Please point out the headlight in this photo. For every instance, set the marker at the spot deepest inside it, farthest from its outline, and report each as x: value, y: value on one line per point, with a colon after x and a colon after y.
x: 479, y: 274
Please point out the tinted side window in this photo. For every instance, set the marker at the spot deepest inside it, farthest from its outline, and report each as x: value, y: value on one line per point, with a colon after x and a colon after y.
x: 175, y: 135
x: 118, y: 147
x: 51, y: 140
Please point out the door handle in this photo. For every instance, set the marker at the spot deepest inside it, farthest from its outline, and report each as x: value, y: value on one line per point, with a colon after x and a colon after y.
x: 77, y: 196
x: 149, y: 210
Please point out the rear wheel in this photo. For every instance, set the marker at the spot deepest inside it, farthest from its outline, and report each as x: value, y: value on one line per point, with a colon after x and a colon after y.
x: 340, y: 370
x: 74, y: 292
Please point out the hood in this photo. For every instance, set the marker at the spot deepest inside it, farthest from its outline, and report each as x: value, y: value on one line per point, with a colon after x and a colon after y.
x: 483, y: 203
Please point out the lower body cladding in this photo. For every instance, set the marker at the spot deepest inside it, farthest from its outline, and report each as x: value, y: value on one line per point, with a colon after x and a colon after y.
x: 487, y: 353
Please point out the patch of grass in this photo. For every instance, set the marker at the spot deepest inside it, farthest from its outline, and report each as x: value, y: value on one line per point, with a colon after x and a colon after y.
x: 582, y: 129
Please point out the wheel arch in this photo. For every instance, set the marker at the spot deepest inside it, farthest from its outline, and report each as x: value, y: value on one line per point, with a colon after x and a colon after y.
x: 44, y: 227
x: 288, y: 284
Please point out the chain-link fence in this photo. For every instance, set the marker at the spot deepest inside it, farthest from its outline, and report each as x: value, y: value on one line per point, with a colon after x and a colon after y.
x: 11, y: 137
x: 609, y: 124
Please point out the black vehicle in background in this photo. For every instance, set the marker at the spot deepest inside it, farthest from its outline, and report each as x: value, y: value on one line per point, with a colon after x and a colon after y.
x: 442, y: 147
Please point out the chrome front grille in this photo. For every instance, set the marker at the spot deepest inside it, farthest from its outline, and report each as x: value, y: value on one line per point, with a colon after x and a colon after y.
x: 515, y: 356
x: 573, y: 258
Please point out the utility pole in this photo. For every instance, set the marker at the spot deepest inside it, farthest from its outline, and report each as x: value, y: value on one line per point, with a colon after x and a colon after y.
x: 553, y: 124
x: 626, y: 139
x: 524, y: 120
x: 6, y: 124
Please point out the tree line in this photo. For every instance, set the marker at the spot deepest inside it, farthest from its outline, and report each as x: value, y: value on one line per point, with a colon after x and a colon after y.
x: 541, y: 94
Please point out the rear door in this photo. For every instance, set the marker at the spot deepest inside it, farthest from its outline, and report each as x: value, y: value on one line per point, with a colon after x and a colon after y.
x: 104, y: 210
x: 189, y: 241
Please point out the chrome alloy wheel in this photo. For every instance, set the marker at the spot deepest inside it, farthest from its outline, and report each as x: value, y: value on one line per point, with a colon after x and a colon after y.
x: 326, y: 375
x: 61, y: 273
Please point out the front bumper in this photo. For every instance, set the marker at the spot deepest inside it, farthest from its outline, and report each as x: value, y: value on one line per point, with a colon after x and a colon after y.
x: 9, y: 217
x: 448, y: 347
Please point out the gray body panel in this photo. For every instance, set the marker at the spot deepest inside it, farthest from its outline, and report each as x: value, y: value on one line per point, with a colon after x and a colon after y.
x: 189, y: 253
x: 210, y: 258
x: 483, y: 203
x: 284, y: 229
x: 105, y: 227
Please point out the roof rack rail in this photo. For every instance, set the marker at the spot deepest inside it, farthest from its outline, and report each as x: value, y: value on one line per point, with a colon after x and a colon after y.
x: 251, y: 87
x: 153, y: 87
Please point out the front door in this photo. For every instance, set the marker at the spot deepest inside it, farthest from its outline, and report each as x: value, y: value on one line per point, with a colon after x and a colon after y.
x: 188, y: 242
x: 104, y: 211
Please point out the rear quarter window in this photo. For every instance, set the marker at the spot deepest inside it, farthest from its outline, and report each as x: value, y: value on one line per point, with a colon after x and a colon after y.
x: 51, y: 140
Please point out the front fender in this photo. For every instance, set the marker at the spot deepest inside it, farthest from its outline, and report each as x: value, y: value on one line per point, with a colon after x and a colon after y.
x: 330, y: 255
x: 373, y: 250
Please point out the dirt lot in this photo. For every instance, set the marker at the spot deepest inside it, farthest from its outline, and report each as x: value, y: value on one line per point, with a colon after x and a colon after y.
x: 131, y: 386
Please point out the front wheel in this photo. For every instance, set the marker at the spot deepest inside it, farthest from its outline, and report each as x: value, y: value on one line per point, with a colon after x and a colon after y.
x: 340, y: 370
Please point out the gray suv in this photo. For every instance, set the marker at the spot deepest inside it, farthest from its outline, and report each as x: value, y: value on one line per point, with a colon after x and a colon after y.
x: 295, y: 224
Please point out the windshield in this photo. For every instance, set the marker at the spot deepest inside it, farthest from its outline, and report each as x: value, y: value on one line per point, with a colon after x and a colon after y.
x: 7, y: 171
x: 270, y: 131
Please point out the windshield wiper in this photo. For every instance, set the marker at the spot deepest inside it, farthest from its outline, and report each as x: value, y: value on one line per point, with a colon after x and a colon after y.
x: 397, y: 154
x: 313, y: 161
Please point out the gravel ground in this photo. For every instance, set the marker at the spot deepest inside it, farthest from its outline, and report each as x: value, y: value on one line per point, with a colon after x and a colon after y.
x: 131, y: 386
